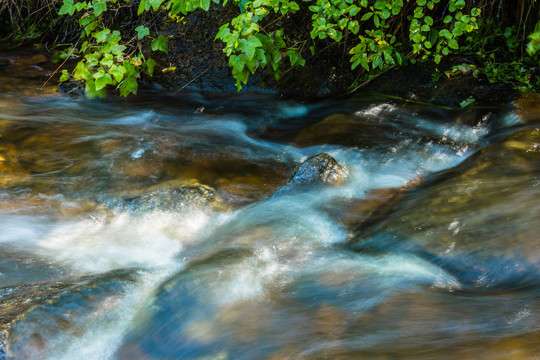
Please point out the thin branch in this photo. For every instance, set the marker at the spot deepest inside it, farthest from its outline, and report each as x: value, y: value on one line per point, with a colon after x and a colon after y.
x: 62, y: 64
x: 198, y: 76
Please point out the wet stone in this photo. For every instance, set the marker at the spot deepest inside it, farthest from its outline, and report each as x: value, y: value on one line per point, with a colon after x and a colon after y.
x: 342, y: 129
x: 468, y: 219
x: 172, y: 198
x: 31, y: 315
x: 528, y: 108
x: 320, y: 169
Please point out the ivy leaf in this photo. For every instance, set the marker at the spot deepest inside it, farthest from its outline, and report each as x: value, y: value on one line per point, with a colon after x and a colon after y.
x: 103, y: 81
x: 118, y: 49
x: 155, y: 4
x: 453, y: 44
x: 65, y: 76
x: 102, y: 35
x: 150, y: 65
x: 117, y: 72
x: 67, y: 8
x: 142, y: 31
x: 142, y: 7
x: 99, y: 7
x: 160, y: 44
x: 128, y: 86
x: 107, y: 60
x: 81, y: 71
x: 204, y: 4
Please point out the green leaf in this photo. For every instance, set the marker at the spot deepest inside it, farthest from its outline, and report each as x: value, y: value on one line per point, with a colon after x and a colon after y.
x: 295, y: 58
x: 103, y: 81
x: 294, y: 6
x: 204, y: 4
x: 254, y: 41
x: 398, y: 58
x: 102, y: 35
x: 448, y: 19
x: 65, y: 76
x: 117, y: 72
x: 99, y: 7
x: 453, y: 44
x: 155, y: 4
x: 428, y: 20
x: 81, y: 71
x: 160, y: 44
x: 249, y: 46
x: 366, y: 16
x: 118, y: 49
x: 142, y: 7
x: 445, y: 33
x: 67, y: 8
x: 353, y: 10
x: 376, y: 20
x: 354, y: 26
x: 128, y: 86
x: 107, y: 60
x: 150, y: 65
x: 142, y: 31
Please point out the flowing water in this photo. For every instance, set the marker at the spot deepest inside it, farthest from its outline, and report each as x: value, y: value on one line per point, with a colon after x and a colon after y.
x: 153, y: 228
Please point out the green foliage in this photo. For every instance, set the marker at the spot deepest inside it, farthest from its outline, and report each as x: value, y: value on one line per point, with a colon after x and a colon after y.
x: 106, y: 59
x: 534, y: 44
x: 467, y: 102
x: 379, y: 34
x: 499, y: 54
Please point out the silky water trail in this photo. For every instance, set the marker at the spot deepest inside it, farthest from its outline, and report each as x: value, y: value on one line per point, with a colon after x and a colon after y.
x: 152, y: 228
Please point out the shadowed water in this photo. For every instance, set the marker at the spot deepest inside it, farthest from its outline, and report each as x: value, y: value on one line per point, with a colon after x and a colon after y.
x: 155, y: 228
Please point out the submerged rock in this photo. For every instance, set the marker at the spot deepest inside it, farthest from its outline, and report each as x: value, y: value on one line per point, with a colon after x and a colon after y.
x: 478, y: 220
x: 528, y: 108
x: 173, y: 198
x: 347, y: 130
x: 316, y: 170
x: 33, y: 315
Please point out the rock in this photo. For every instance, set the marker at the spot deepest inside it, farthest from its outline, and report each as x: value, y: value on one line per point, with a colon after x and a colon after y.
x: 479, y: 220
x: 24, y: 62
x: 317, y: 170
x: 414, y: 82
x: 32, y: 315
x: 341, y: 129
x: 528, y: 108
x: 172, y: 198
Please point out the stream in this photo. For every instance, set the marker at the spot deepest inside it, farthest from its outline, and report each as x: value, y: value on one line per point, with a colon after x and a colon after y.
x: 173, y: 226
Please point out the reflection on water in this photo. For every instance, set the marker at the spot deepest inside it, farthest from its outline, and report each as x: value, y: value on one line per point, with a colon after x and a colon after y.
x: 154, y: 227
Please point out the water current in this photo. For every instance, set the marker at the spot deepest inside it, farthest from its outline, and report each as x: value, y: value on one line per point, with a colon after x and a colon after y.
x: 153, y: 228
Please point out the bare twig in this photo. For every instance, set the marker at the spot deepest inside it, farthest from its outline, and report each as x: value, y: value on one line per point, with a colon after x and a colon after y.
x: 62, y: 64
x: 198, y: 76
